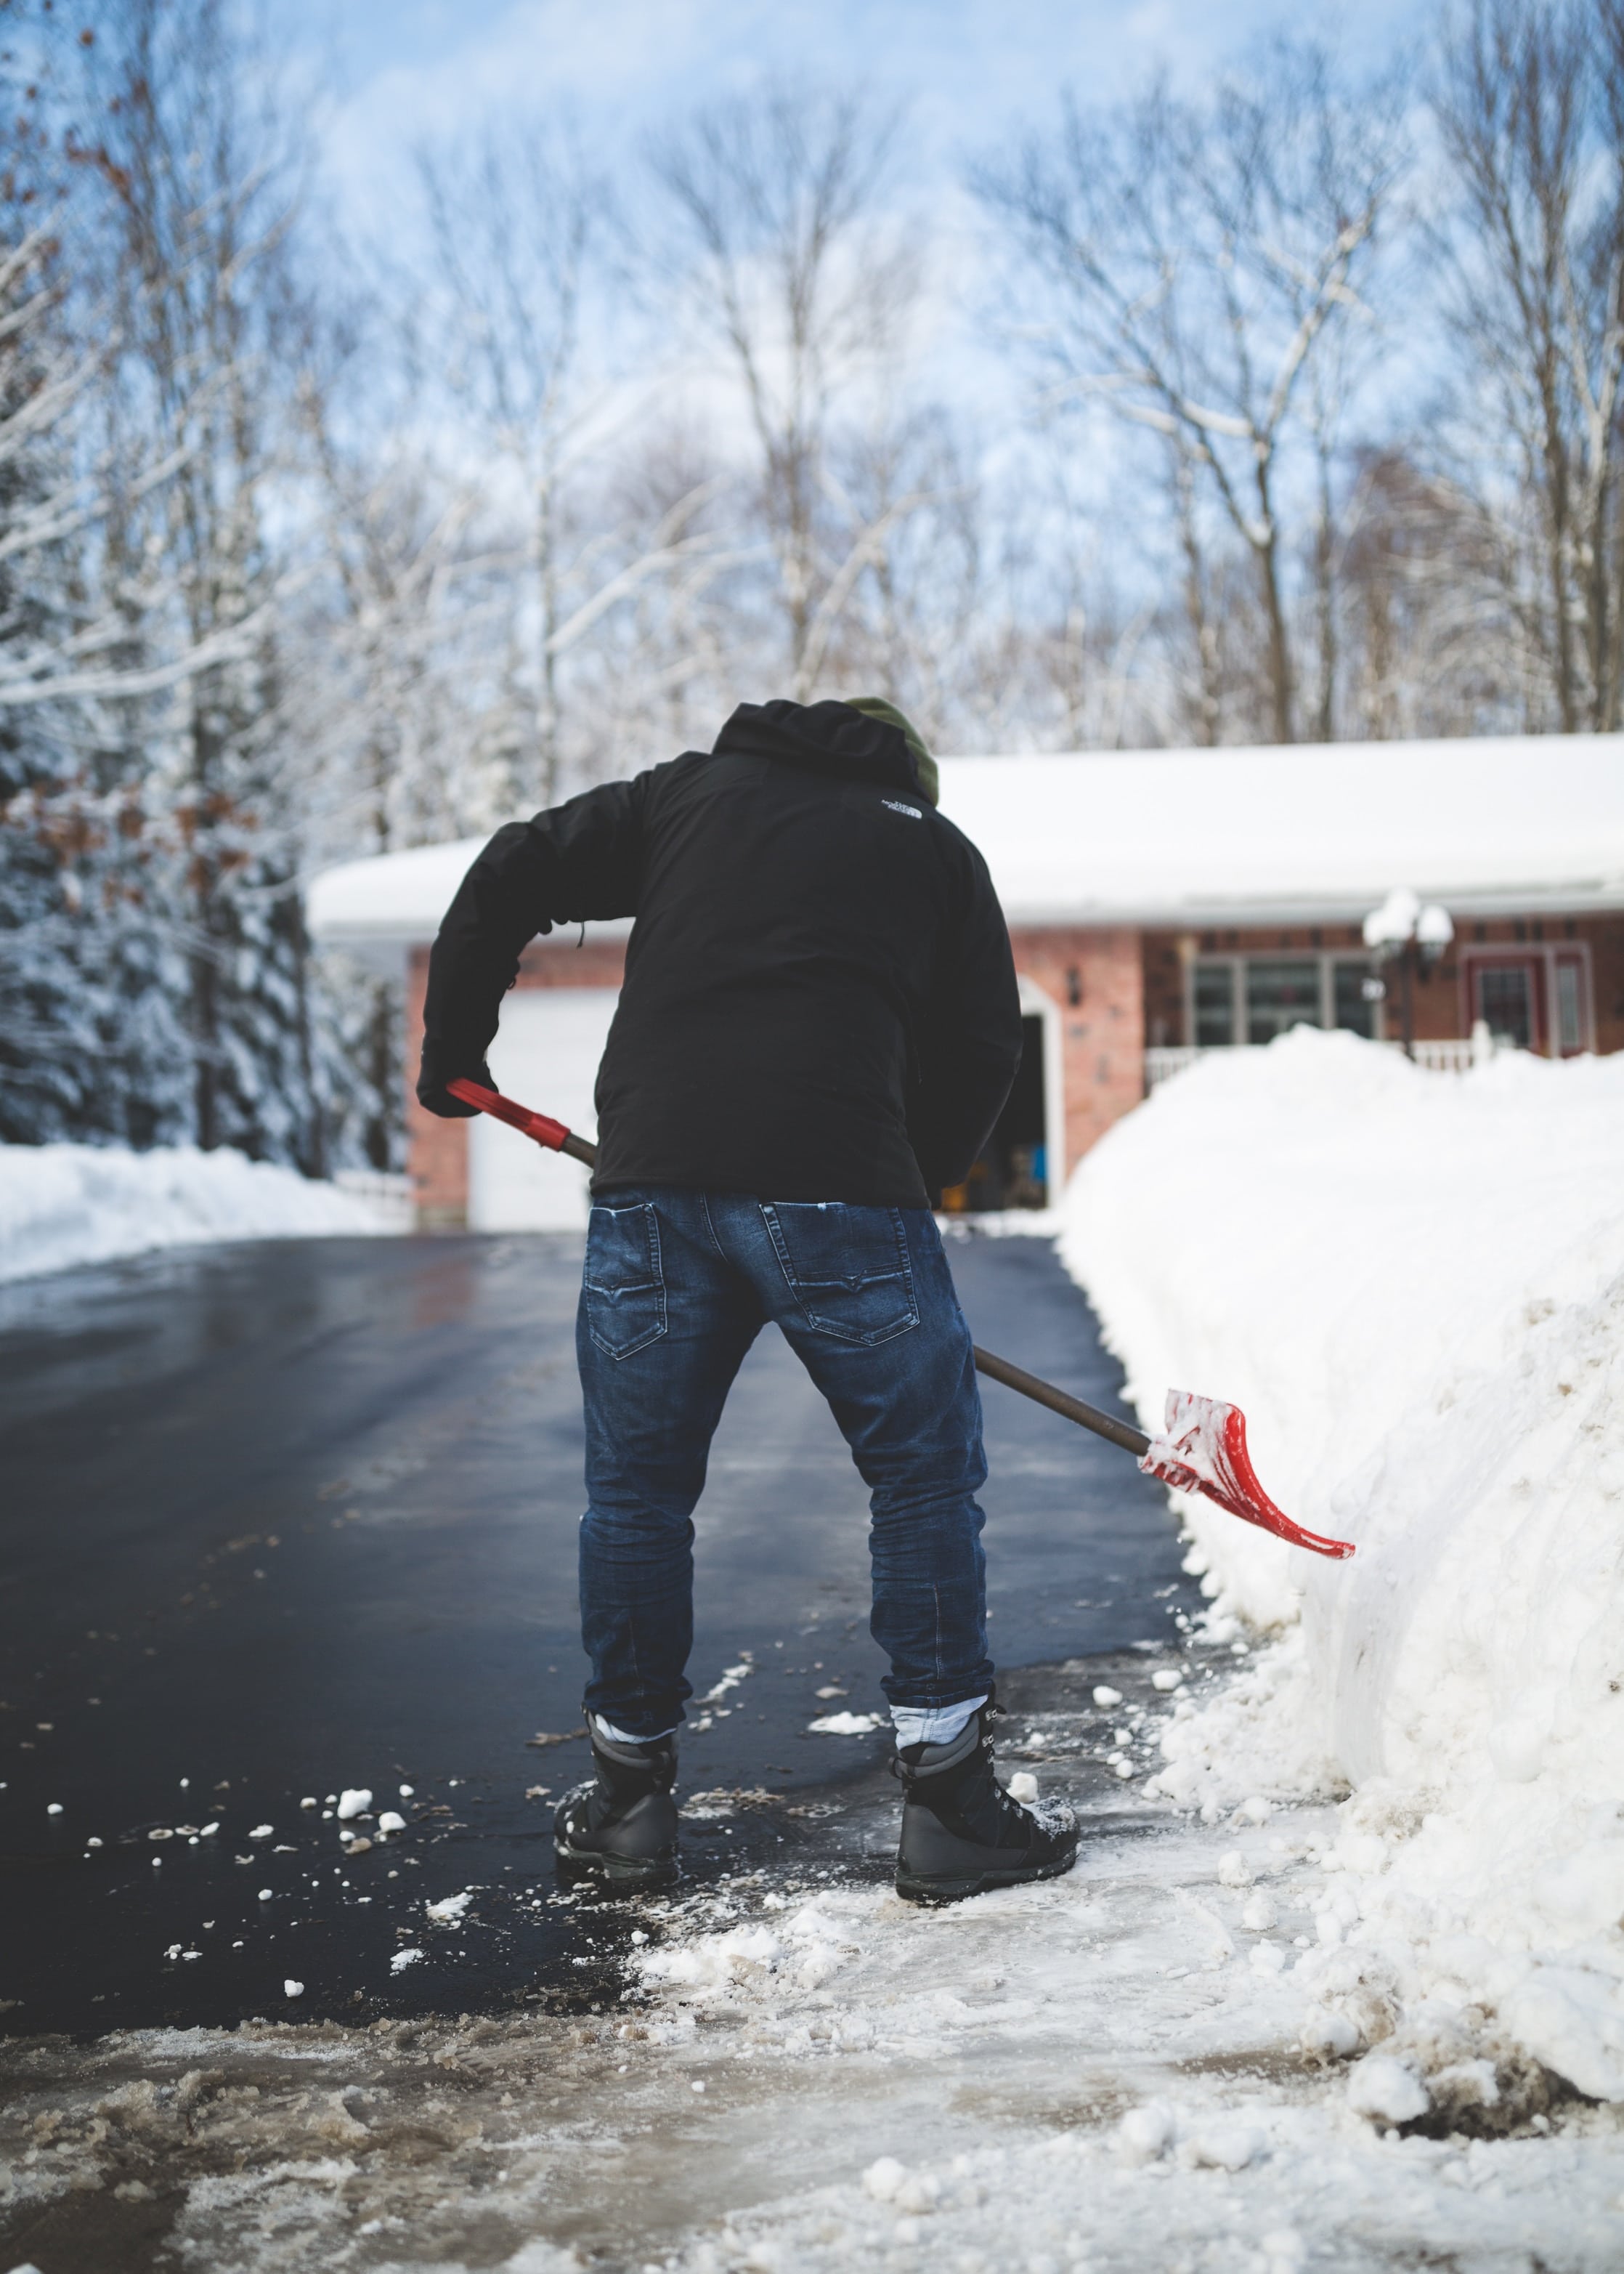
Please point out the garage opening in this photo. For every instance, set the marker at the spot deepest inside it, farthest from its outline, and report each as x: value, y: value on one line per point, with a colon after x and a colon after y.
x: 1013, y: 1171
x: 546, y: 1053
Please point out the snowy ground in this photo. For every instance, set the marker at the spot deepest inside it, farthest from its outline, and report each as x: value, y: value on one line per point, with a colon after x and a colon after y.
x: 1130, y: 2071
x: 61, y: 1205
x: 1339, y: 1980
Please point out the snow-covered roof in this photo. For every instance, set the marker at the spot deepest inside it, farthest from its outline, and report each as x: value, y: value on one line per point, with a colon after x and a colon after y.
x: 1303, y: 834
x: 390, y: 902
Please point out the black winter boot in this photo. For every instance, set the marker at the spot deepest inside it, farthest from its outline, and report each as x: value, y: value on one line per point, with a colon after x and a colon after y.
x: 961, y: 1832
x: 622, y: 1827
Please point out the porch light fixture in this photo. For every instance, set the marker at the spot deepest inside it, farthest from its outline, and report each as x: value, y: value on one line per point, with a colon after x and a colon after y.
x: 1411, y: 935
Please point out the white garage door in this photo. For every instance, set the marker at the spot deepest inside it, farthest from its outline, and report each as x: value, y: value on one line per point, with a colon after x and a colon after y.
x: 547, y: 1056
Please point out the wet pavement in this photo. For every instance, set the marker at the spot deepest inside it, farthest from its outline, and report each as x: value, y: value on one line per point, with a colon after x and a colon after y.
x: 609, y: 2124
x: 295, y: 1518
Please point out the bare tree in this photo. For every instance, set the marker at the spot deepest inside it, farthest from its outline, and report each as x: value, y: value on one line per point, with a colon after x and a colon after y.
x: 517, y: 333
x: 395, y: 637
x: 384, y: 655
x: 1529, y: 106
x: 1199, y: 261
x: 517, y: 220
x: 799, y: 272
x: 1430, y: 645
x: 656, y: 671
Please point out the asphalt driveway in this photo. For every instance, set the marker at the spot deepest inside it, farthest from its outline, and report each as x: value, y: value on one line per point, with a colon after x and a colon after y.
x: 296, y: 1517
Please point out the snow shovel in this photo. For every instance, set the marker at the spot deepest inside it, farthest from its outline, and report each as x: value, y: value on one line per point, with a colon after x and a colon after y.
x: 1202, y: 1447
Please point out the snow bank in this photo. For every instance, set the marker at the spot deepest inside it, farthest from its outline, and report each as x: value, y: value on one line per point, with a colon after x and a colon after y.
x: 66, y: 1204
x: 1414, y: 1286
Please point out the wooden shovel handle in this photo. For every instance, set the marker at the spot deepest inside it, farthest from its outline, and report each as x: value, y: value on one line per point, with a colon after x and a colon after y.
x: 1058, y: 1401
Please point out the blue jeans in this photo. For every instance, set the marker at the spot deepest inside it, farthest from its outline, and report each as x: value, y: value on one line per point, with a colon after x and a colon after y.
x: 677, y: 1286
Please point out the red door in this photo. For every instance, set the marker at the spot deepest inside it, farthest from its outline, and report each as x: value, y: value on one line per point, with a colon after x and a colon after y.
x: 1508, y: 994
x: 1535, y: 998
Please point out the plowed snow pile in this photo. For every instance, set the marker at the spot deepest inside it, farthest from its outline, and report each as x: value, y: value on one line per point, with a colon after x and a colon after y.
x: 1414, y: 1286
x: 65, y: 1204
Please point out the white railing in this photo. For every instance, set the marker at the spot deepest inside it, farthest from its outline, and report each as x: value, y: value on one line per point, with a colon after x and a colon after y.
x: 1456, y: 1055
x: 1162, y: 1063
x: 393, y: 1197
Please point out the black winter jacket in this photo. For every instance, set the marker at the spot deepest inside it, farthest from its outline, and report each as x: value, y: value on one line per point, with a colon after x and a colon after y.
x: 820, y: 1001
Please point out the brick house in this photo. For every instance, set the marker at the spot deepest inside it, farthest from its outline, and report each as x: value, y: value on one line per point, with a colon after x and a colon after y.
x: 1159, y: 903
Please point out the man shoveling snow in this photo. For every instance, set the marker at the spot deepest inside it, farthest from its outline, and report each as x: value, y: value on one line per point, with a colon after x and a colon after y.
x: 818, y: 1029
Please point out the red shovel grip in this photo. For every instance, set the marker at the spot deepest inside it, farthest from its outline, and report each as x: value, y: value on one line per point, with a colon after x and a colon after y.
x: 546, y: 1131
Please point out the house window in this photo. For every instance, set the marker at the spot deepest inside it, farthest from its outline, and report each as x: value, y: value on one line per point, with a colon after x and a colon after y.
x: 1215, y: 1003
x: 1506, y: 1002
x: 1280, y: 995
x: 1253, y: 998
x: 1353, y: 1000
x: 1535, y: 997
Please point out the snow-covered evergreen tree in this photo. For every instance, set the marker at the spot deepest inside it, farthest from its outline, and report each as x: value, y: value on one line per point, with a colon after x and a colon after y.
x: 201, y: 204
x: 89, y: 1043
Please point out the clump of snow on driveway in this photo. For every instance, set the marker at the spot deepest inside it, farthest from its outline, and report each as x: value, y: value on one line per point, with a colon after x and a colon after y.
x: 1414, y: 1286
x: 61, y: 1205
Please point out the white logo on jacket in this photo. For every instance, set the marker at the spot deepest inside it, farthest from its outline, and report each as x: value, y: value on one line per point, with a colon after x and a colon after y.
x: 911, y: 812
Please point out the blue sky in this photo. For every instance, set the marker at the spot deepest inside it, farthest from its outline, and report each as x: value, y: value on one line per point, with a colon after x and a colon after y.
x: 391, y: 71
x: 388, y: 74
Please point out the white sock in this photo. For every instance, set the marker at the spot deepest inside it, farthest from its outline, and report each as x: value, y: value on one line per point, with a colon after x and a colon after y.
x: 932, y: 1725
x: 624, y: 1736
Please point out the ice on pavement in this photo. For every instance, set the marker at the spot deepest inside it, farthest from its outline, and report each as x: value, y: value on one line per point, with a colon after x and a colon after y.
x: 1082, y: 2065
x: 732, y: 1676
x: 61, y: 1205
x: 846, y: 1725
x: 1082, y: 2074
x: 1413, y: 1283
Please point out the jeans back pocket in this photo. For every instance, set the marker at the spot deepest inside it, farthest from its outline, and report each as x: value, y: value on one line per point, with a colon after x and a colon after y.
x: 847, y: 1267
x: 625, y: 1290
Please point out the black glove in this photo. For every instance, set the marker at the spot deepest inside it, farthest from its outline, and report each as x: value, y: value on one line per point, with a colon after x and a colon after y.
x: 433, y: 1094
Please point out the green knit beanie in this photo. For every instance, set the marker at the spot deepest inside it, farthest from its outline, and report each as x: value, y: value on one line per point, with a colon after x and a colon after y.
x: 876, y: 706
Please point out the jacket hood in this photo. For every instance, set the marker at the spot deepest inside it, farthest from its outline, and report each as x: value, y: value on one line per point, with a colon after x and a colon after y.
x: 876, y: 706
x: 826, y: 738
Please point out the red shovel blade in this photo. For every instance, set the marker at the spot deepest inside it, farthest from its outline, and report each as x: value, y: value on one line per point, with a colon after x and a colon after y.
x: 546, y: 1132
x: 1202, y: 1448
